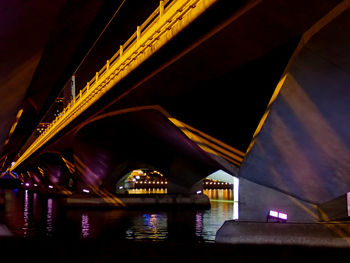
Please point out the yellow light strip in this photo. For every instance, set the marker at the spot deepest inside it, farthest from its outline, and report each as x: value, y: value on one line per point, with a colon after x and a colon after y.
x: 180, y: 124
x: 104, y: 194
x: 69, y: 165
x: 14, y: 125
x: 210, y: 144
x: 266, y: 113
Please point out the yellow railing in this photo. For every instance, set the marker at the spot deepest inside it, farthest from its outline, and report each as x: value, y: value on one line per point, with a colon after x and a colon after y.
x: 161, y: 26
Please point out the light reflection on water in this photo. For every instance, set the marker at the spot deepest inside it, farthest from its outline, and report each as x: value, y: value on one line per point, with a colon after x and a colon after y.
x: 30, y: 215
x: 49, y: 218
x: 85, y: 226
x: 219, y: 194
x: 199, y: 224
x: 153, y: 224
x: 26, y: 214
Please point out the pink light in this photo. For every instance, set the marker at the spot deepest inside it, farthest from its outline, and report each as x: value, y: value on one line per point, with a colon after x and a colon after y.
x: 279, y: 215
x: 283, y: 216
x: 198, y: 192
x: 86, y: 191
x: 50, y: 186
x: 27, y: 184
x: 348, y: 202
x: 273, y: 213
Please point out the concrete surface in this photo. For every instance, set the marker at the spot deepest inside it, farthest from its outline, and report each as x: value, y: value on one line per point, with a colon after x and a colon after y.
x: 4, y: 231
x: 301, y: 234
x: 256, y: 200
x: 303, y: 148
x: 335, y: 209
x: 142, y: 201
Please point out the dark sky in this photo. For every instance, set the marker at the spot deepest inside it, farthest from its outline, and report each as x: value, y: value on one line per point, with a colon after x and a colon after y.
x: 131, y: 14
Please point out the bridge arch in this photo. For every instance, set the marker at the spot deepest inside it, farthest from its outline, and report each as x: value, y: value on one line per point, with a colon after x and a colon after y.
x: 109, y: 147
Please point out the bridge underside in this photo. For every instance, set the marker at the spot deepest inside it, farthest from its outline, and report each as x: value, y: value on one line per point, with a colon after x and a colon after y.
x: 41, y: 45
x: 105, y: 149
x: 220, y: 82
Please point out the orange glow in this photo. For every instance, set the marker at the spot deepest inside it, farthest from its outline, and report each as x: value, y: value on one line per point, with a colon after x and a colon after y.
x: 264, y: 117
x: 69, y: 165
x: 14, y: 125
x: 210, y: 144
x: 104, y: 194
x: 148, y: 191
x: 219, y: 194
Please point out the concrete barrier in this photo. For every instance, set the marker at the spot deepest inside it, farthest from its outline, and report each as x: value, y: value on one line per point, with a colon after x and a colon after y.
x: 304, y: 234
x: 4, y: 231
x: 164, y: 201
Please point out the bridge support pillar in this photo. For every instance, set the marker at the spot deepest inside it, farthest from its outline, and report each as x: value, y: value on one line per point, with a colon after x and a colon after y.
x: 185, y: 177
x: 256, y: 200
x: 303, y: 147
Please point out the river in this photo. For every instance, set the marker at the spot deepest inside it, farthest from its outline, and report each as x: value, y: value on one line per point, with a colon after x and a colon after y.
x: 30, y: 215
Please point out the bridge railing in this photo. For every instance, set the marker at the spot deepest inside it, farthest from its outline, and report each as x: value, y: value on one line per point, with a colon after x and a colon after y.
x: 157, y: 30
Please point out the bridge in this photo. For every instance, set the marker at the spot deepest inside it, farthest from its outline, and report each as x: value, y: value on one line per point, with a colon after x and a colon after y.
x: 201, y: 86
x: 161, y: 27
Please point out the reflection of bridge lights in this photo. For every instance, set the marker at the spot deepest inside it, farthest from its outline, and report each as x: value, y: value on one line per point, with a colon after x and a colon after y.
x: 146, y: 218
x: 153, y: 220
x: 26, y: 213
x: 199, y: 224
x: 49, y: 217
x: 150, y: 220
x: 85, y: 226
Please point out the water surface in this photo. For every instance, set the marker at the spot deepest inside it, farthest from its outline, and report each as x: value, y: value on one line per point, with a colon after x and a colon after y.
x: 30, y: 215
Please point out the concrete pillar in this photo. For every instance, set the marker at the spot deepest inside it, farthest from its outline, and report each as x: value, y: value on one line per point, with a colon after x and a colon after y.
x: 255, y: 201
x: 185, y: 176
x: 303, y: 148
